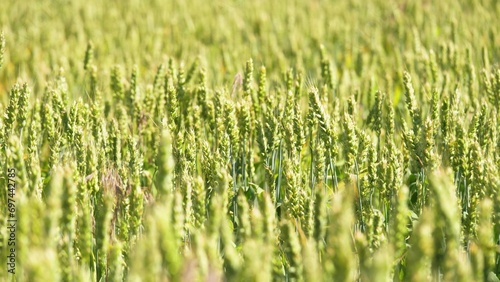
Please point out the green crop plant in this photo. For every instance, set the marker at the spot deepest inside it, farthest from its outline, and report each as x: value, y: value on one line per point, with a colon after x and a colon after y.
x: 249, y: 140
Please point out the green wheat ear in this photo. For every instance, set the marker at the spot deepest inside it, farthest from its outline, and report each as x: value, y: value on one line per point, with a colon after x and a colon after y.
x: 420, y: 254
x: 11, y: 113
x: 117, y: 84
x: 2, y: 49
x: 292, y: 250
x: 67, y: 223
x: 89, y: 56
x: 339, y: 261
x: 326, y: 69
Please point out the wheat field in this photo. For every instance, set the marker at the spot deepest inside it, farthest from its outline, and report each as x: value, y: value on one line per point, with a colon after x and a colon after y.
x: 250, y: 140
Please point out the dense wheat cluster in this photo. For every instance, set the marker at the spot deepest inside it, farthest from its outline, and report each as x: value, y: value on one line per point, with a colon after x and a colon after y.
x: 250, y: 140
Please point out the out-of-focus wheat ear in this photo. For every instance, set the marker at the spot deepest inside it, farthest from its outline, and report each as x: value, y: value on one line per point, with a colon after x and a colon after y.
x: 195, y: 66
x: 23, y: 107
x: 256, y: 223
x: 244, y: 226
x: 67, y: 223
x: 448, y: 218
x: 224, y: 142
x: 410, y: 145
x: 158, y: 82
x: 362, y: 254
x: 476, y: 179
x: 373, y: 192
x: 326, y: 69
x: 197, y: 254
x: 497, y: 88
x: 299, y: 129
x: 376, y: 114
x: 419, y: 257
x: 42, y: 265
x: 95, y: 93
x: 133, y: 98
x: 376, y: 266
x: 33, y: 166
x: 248, y: 80
x: 458, y: 152
x: 116, y: 85
x: 188, y: 205
x: 214, y: 216
x: 135, y: 161
x: 52, y: 135
x: 476, y: 257
x: 96, y: 122
x: 231, y: 125
x: 293, y: 252
x: 103, y: 209
x: 93, y: 169
x: 399, y: 227
x: 116, y: 267
x: 470, y: 73
x: 168, y: 238
x: 245, y: 129
x: 434, y: 68
x: 496, y: 214
x: 269, y: 218
x: 289, y: 78
x: 232, y: 262
x: 29, y: 229
x: 136, y: 198
x: 89, y: 56
x: 320, y: 219
x: 81, y: 152
x: 149, y: 256
x: 307, y: 220
x: 376, y: 232
x: 199, y: 202
x: 115, y: 141
x: 350, y: 146
x: 261, y: 93
x: 84, y: 237
x: 339, y: 262
x: 485, y: 235
x: 173, y: 108
x: 311, y: 261
x: 352, y: 108
x: 258, y: 262
x: 182, y: 96
x: 429, y: 158
x: 178, y: 216
x: 52, y: 195
x: 2, y: 49
x: 293, y: 197
x: 435, y: 112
